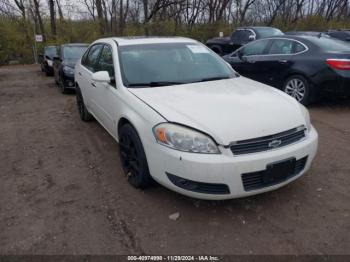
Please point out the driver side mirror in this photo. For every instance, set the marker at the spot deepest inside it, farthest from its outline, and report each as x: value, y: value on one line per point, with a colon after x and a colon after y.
x: 241, y: 55
x: 101, y: 76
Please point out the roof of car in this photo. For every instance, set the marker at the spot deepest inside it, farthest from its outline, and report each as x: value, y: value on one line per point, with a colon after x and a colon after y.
x: 75, y: 44
x: 136, y: 40
x: 256, y: 27
x: 297, y: 37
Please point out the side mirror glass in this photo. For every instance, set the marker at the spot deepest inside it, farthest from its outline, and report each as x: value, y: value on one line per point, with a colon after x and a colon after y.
x: 101, y: 76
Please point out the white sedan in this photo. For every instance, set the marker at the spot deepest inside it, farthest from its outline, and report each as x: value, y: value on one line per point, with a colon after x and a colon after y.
x: 184, y: 118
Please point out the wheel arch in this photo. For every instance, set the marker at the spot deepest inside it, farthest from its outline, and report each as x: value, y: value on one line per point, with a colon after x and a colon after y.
x: 296, y: 73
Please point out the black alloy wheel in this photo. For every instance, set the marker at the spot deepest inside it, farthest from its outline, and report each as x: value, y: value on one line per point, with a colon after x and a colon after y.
x: 133, y: 158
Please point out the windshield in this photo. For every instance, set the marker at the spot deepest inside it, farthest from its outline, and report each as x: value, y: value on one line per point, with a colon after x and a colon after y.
x: 73, y: 52
x: 329, y: 44
x: 51, y: 51
x: 170, y: 64
x: 268, y: 32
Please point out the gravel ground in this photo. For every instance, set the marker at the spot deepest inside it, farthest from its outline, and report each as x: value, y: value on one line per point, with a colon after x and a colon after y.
x: 62, y: 190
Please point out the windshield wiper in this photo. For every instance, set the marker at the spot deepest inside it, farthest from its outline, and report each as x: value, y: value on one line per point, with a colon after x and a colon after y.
x: 212, y: 79
x: 155, y: 84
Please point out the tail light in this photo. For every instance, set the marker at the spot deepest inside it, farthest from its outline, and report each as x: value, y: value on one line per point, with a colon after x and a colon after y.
x: 340, y: 64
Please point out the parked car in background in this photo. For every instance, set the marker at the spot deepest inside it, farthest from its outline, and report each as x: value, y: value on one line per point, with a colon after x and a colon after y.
x: 47, y: 58
x: 64, y: 64
x: 302, y: 66
x: 240, y: 37
x: 183, y: 117
x: 343, y: 35
x: 308, y: 33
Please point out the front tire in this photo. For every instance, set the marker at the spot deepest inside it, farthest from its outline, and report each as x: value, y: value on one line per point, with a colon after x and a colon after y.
x: 133, y: 158
x: 83, y: 112
x: 298, y: 87
x: 63, y: 89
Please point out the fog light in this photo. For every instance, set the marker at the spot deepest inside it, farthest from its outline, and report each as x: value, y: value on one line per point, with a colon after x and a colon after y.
x: 70, y: 84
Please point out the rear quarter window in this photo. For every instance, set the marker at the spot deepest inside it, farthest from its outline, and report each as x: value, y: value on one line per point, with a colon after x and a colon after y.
x: 299, y: 48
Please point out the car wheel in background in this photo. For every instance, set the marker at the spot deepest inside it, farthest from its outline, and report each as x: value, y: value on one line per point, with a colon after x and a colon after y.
x: 298, y: 86
x: 83, y: 112
x: 133, y: 158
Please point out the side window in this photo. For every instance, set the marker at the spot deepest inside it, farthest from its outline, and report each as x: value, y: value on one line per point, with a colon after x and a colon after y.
x: 281, y: 47
x: 106, y: 61
x: 255, y: 48
x: 92, y: 57
x: 84, y: 57
x: 299, y: 48
x: 237, y: 36
x: 246, y: 35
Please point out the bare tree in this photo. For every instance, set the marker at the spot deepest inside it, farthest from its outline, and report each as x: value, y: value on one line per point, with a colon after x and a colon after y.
x: 100, y: 16
x: 52, y: 17
x: 37, y: 15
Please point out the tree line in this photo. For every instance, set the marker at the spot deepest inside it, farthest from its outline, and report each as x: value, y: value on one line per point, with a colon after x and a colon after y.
x: 85, y: 20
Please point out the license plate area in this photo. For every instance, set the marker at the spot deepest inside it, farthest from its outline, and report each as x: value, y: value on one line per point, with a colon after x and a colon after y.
x: 279, y: 171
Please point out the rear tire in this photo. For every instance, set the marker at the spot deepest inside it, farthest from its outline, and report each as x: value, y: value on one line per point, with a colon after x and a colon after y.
x: 133, y: 158
x: 83, y: 112
x: 298, y: 87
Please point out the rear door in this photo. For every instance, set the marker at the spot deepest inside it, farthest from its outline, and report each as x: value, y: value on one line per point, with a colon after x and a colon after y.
x: 279, y: 60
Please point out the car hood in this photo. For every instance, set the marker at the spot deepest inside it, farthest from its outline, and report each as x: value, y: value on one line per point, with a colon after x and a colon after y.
x: 228, y: 110
x: 70, y: 62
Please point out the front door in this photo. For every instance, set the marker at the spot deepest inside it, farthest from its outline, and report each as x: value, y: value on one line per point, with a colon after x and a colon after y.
x: 249, y: 60
x: 107, y: 94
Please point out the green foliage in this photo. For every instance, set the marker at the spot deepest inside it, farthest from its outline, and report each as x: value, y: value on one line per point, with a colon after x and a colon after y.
x: 16, y: 35
x: 14, y: 42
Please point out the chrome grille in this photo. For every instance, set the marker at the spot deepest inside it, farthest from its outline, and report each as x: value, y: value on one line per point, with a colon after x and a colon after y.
x: 268, y: 142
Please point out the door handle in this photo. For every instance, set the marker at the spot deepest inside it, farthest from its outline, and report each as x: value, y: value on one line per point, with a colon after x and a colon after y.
x: 283, y: 61
x: 93, y: 84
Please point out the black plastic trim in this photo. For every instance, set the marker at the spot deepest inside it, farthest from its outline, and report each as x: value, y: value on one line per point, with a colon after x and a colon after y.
x: 199, y: 187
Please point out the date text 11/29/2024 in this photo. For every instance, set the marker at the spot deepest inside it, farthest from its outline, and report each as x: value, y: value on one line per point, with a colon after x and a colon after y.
x: 173, y: 258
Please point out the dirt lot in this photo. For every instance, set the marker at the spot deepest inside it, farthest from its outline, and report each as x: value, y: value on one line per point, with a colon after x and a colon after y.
x: 62, y: 190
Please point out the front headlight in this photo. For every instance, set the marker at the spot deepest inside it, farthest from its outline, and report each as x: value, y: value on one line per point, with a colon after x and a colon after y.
x: 49, y: 62
x: 68, y: 70
x: 306, y: 117
x: 184, y: 139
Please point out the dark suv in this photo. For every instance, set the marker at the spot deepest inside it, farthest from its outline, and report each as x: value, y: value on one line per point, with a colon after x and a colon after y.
x: 240, y: 37
x: 64, y: 64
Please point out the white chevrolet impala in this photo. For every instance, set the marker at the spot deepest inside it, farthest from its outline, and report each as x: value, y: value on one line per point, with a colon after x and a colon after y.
x: 187, y: 120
